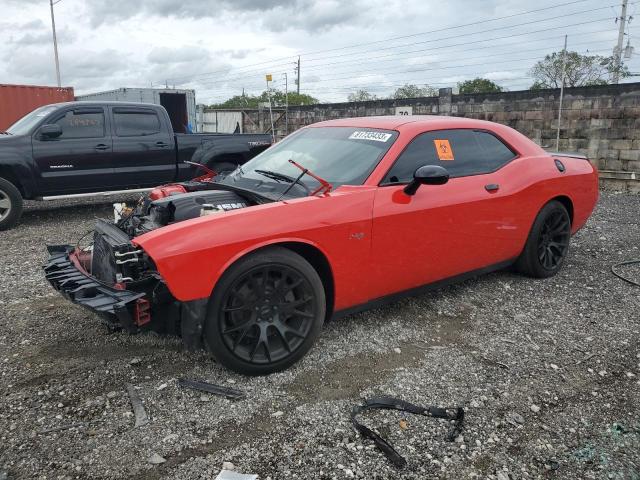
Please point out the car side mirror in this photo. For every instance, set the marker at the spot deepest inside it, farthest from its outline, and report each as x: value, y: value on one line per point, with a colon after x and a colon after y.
x: 50, y: 131
x: 427, y: 175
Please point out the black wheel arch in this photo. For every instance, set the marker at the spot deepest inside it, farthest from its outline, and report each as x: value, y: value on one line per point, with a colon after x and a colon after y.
x: 9, y: 175
x: 566, y: 202
x: 315, y: 257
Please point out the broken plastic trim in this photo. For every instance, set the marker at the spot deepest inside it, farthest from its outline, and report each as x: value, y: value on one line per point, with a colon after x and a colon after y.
x: 390, y: 403
x: 227, y: 392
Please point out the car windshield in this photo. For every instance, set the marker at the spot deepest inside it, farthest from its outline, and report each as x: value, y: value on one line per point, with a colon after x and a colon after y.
x: 340, y: 155
x: 26, y: 123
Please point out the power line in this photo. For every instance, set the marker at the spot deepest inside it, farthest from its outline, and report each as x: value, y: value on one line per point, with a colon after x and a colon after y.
x: 430, y: 81
x: 266, y: 63
x: 451, y: 45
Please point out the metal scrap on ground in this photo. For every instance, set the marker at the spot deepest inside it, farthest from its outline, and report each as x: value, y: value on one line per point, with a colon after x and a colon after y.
x: 212, y: 388
x: 138, y: 408
x: 390, y: 403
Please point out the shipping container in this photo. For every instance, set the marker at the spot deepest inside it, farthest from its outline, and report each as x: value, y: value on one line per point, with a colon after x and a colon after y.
x: 18, y: 100
x: 180, y: 104
x: 219, y: 121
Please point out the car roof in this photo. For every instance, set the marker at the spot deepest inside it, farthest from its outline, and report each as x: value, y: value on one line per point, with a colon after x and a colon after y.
x: 84, y: 103
x: 393, y: 122
x: 416, y: 124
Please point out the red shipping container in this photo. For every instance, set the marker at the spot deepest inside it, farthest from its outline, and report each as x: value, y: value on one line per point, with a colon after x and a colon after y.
x: 18, y: 100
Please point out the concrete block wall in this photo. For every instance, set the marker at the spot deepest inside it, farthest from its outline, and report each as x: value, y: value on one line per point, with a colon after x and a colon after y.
x: 602, y: 122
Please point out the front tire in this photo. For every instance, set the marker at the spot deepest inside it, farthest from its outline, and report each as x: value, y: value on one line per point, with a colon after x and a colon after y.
x: 10, y: 204
x: 265, y: 313
x: 548, y: 242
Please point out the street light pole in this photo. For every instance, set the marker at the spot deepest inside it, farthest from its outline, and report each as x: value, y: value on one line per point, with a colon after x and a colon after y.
x: 55, y: 41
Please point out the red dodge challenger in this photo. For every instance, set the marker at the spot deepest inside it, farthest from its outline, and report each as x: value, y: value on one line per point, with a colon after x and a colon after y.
x: 340, y: 216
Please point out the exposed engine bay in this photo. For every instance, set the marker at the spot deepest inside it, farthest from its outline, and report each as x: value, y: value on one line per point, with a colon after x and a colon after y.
x: 176, y: 203
x: 115, y: 260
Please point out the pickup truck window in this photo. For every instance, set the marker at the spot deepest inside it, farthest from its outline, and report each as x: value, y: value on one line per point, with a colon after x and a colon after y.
x: 134, y: 124
x: 80, y: 124
x: 26, y: 123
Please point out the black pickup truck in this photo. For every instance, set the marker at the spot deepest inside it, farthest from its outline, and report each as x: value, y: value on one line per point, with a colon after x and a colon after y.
x: 93, y: 147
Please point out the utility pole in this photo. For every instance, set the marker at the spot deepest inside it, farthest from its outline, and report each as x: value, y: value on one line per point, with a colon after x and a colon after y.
x: 564, y: 76
x: 618, y: 49
x: 55, y: 41
x: 298, y: 75
x: 273, y: 131
x: 286, y: 105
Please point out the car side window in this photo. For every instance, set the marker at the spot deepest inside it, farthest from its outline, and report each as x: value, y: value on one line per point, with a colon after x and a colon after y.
x: 461, y: 152
x: 129, y: 123
x: 81, y: 124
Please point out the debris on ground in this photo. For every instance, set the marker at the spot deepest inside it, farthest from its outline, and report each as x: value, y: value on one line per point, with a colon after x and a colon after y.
x: 156, y: 459
x: 140, y: 413
x: 456, y: 415
x: 230, y: 475
x: 227, y: 392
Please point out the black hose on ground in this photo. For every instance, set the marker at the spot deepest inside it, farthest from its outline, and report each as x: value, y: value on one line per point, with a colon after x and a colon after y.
x: 622, y: 277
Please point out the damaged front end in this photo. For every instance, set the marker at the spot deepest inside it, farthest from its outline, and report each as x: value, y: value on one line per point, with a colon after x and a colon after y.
x: 117, y: 279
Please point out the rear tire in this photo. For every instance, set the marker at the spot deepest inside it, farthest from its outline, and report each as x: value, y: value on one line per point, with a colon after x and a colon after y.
x: 10, y: 204
x: 548, y: 242
x: 265, y: 313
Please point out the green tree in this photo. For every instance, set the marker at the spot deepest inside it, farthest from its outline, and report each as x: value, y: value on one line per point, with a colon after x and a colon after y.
x: 479, y: 85
x: 280, y: 99
x: 361, y: 96
x: 581, y: 70
x: 414, y: 91
x: 277, y: 97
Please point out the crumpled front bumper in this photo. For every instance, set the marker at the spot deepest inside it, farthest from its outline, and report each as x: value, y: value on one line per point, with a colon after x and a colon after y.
x: 66, y: 274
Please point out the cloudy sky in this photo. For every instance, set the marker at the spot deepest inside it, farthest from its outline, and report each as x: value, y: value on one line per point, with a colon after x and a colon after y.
x: 220, y: 47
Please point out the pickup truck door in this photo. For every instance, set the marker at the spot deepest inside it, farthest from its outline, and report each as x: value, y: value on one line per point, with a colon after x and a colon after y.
x: 143, y: 146
x: 79, y: 160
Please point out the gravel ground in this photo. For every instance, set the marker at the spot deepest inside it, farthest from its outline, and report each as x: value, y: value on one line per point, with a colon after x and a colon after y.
x: 548, y: 372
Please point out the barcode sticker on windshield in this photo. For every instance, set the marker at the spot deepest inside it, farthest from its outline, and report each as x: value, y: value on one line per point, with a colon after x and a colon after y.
x: 375, y: 136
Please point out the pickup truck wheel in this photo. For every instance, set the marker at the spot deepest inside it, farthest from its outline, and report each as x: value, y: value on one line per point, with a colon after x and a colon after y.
x: 10, y: 204
x: 265, y: 312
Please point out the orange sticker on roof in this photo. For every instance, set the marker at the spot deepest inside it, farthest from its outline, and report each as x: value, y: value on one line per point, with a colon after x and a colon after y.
x: 443, y: 149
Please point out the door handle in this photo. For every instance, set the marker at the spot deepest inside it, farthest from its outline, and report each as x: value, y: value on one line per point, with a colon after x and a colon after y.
x: 102, y: 146
x: 162, y: 144
x: 492, y: 187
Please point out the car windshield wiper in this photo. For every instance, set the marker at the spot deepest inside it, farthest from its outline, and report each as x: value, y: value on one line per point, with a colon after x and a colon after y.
x: 276, y: 175
x: 325, y: 187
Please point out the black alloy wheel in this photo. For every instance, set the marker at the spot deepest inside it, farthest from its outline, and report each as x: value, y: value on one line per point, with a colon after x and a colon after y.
x: 548, y: 242
x: 266, y: 312
x: 553, y: 241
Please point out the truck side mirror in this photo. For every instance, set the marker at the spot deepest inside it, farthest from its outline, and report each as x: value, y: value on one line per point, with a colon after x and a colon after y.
x: 427, y: 175
x: 50, y: 131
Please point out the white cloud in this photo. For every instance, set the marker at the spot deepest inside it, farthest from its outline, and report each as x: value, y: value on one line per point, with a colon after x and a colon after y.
x: 221, y: 47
